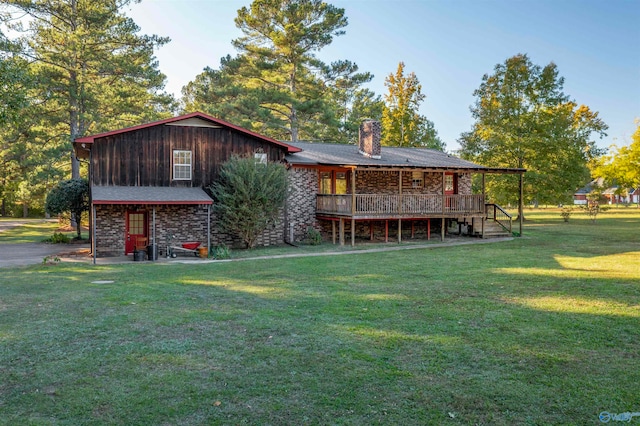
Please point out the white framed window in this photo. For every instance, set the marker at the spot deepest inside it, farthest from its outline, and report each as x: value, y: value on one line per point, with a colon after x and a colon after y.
x: 182, y: 165
x: 260, y: 157
x: 417, y: 179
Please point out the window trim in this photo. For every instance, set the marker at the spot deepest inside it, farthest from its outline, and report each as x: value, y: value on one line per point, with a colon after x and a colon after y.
x: 185, y: 166
x: 260, y: 157
x: 417, y: 183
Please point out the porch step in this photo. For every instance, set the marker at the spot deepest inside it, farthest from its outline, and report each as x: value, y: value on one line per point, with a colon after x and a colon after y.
x: 493, y: 230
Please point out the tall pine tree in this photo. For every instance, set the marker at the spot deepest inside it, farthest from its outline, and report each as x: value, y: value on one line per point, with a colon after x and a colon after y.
x: 276, y: 84
x: 93, y: 68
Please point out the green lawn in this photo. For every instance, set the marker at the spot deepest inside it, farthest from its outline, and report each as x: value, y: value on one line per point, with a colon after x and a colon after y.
x: 539, y: 330
x: 35, y: 231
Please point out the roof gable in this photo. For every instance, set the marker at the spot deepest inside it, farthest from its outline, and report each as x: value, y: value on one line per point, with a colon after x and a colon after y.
x: 194, y: 119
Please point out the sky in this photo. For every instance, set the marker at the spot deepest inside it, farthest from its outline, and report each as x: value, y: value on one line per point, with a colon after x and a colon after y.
x: 448, y: 44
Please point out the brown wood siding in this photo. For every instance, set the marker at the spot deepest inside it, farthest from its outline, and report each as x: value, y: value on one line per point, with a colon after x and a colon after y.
x: 144, y: 157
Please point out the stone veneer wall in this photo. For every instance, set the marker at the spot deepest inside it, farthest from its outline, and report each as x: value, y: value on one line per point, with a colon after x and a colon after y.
x: 184, y: 222
x: 301, y: 203
x: 189, y: 222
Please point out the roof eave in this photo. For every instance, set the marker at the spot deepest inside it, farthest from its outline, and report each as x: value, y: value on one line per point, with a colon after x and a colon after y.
x: 90, y: 139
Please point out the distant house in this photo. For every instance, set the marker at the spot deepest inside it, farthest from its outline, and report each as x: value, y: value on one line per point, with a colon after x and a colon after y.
x: 580, y: 197
x: 150, y: 183
x: 609, y: 193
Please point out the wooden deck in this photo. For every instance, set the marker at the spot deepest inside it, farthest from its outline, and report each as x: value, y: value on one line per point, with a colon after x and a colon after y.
x: 399, y: 206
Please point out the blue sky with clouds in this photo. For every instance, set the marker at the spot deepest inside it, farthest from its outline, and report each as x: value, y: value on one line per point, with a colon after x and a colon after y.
x: 449, y: 44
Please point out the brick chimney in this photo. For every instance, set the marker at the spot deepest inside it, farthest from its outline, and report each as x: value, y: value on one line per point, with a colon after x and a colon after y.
x: 369, y: 139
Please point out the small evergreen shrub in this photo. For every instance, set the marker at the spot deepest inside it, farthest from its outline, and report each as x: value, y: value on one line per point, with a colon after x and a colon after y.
x: 221, y: 252
x: 314, y: 237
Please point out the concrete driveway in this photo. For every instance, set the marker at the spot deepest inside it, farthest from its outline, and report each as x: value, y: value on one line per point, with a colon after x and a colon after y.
x: 27, y: 253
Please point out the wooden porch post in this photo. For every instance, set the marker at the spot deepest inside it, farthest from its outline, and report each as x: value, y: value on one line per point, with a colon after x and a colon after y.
x: 484, y: 207
x: 371, y: 230
x: 428, y: 229
x: 400, y: 206
x: 353, y: 192
x: 444, y: 199
x: 520, y: 204
x: 341, y: 231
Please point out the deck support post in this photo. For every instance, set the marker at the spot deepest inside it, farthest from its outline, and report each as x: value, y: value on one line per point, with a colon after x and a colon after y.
x: 353, y: 232
x: 333, y: 232
x: 341, y: 231
x: 399, y: 231
x: 386, y: 231
x: 428, y: 228
x: 443, y: 225
x: 371, y: 230
x: 413, y: 229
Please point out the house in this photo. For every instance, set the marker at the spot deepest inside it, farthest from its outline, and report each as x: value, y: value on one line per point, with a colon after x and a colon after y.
x: 580, y: 197
x: 609, y: 194
x: 149, y: 184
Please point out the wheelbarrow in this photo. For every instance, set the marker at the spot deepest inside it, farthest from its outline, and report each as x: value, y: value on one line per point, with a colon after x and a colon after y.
x: 187, y: 247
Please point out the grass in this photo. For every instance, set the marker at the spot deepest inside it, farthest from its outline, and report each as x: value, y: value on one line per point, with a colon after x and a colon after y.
x: 538, y: 330
x: 35, y: 231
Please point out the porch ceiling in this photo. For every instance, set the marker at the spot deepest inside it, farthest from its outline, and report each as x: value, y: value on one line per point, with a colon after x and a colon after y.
x: 148, y: 195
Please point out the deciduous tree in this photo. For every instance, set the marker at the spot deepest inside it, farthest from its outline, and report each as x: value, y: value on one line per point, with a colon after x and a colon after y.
x: 402, y: 124
x: 70, y: 196
x: 622, y: 165
x: 523, y: 119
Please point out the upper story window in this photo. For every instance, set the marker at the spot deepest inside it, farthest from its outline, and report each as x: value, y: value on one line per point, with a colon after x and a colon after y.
x: 450, y: 183
x: 260, y: 157
x: 325, y: 183
x: 333, y: 182
x: 417, y: 179
x: 182, y: 165
x: 341, y: 183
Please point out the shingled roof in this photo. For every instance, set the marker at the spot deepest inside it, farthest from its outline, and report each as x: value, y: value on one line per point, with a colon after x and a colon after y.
x: 148, y: 195
x: 347, y: 155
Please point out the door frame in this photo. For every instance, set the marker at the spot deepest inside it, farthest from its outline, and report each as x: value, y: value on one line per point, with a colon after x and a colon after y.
x: 128, y: 241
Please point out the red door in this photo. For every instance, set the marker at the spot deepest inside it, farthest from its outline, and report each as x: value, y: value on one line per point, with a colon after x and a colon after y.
x: 450, y: 188
x: 136, y: 227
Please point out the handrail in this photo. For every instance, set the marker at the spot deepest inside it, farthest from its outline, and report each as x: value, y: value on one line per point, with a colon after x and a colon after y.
x: 403, y: 204
x: 500, y: 216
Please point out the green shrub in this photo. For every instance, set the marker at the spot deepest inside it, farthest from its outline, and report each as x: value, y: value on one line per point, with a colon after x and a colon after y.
x: 58, y: 238
x: 314, y: 237
x: 221, y: 252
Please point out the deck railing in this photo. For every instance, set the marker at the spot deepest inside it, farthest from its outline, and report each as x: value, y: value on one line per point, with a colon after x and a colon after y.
x: 500, y: 216
x: 400, y: 204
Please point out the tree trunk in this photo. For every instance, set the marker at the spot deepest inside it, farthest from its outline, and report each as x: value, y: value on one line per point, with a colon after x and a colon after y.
x: 25, y: 210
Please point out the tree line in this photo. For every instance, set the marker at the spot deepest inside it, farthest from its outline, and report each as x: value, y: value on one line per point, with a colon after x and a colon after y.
x: 69, y: 68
